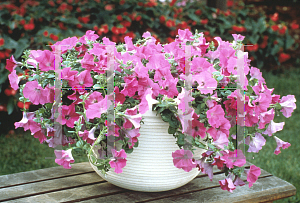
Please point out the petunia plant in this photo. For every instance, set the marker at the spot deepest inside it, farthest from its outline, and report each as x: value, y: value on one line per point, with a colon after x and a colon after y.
x: 198, y: 96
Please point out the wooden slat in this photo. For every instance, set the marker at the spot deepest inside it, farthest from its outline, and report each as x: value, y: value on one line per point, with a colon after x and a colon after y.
x: 43, y: 174
x: 265, y: 190
x: 43, y: 187
x: 198, y: 184
x: 89, y: 187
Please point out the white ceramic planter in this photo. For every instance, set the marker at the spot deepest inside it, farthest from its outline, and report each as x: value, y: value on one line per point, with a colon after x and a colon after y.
x: 150, y: 167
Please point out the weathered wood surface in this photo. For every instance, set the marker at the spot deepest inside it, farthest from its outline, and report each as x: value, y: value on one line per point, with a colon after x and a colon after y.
x: 81, y: 183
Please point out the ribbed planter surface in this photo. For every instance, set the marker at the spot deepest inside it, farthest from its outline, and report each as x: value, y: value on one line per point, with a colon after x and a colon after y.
x: 150, y: 167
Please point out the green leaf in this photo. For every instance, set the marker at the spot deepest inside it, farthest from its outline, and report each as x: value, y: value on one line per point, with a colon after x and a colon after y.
x: 172, y: 130
x: 193, y: 17
x: 289, y: 41
x: 129, y: 151
x: 211, y: 146
x: 10, y: 106
x: 80, y: 143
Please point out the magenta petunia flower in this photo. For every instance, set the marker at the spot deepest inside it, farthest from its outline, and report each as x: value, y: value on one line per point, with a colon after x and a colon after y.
x: 95, y: 110
x: 40, y: 135
x: 14, y: 80
x: 46, y: 61
x: 35, y: 93
x: 256, y: 143
x: 68, y: 74
x: 118, y: 161
x: 69, y: 116
x: 89, y: 35
x: 94, y: 98
x: 218, y: 161
x: 11, y: 64
x: 64, y: 158
x: 214, y: 115
x: 239, y: 182
x: 227, y: 184
x: 280, y: 144
x: 82, y: 80
x: 88, y: 62
x: 288, y: 104
x: 88, y: 136
x: 266, y: 118
x: 273, y: 128
x: 233, y: 158
x: 183, y: 159
x: 252, y: 174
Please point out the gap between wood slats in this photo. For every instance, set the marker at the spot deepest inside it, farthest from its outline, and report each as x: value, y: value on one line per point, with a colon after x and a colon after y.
x: 49, y: 191
x: 46, y: 179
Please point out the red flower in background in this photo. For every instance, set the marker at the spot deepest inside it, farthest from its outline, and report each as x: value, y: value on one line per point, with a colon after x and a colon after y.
x: 294, y: 26
x: 84, y: 20
x: 173, y: 2
x: 122, y: 2
x: 198, y: 12
x: 138, y: 18
x: 115, y: 30
x: 51, y: 3
x: 274, y: 27
x: 170, y: 23
x: 282, y: 30
x: 162, y: 19
x: 229, y: 3
x: 204, y: 21
x: 109, y: 7
x: 283, y: 57
x: 238, y: 28
x: 53, y: 37
x: 22, y: 22
x: 29, y: 26
x: 1, y: 42
x: 45, y: 33
x: 62, y: 26
x: 119, y: 18
x: 252, y: 48
x: 274, y: 17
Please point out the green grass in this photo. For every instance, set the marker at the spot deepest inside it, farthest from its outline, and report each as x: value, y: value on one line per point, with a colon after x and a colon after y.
x: 25, y: 153
x: 22, y: 152
x: 285, y: 165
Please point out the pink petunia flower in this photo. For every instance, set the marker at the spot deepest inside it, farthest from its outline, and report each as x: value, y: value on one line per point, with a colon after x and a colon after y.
x: 69, y: 116
x: 256, y: 143
x: 95, y: 110
x: 183, y: 159
x: 40, y: 135
x: 288, y: 104
x: 252, y: 174
x: 35, y: 93
x: 88, y: 136
x: 82, y: 80
x: 280, y: 144
x: 11, y: 64
x: 214, y: 115
x: 118, y: 161
x: 14, y: 80
x: 64, y: 158
x: 68, y: 74
x: 227, y: 184
x: 46, y: 61
x: 273, y: 128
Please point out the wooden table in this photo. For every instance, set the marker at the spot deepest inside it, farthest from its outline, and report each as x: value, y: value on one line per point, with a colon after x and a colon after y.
x: 82, y: 184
